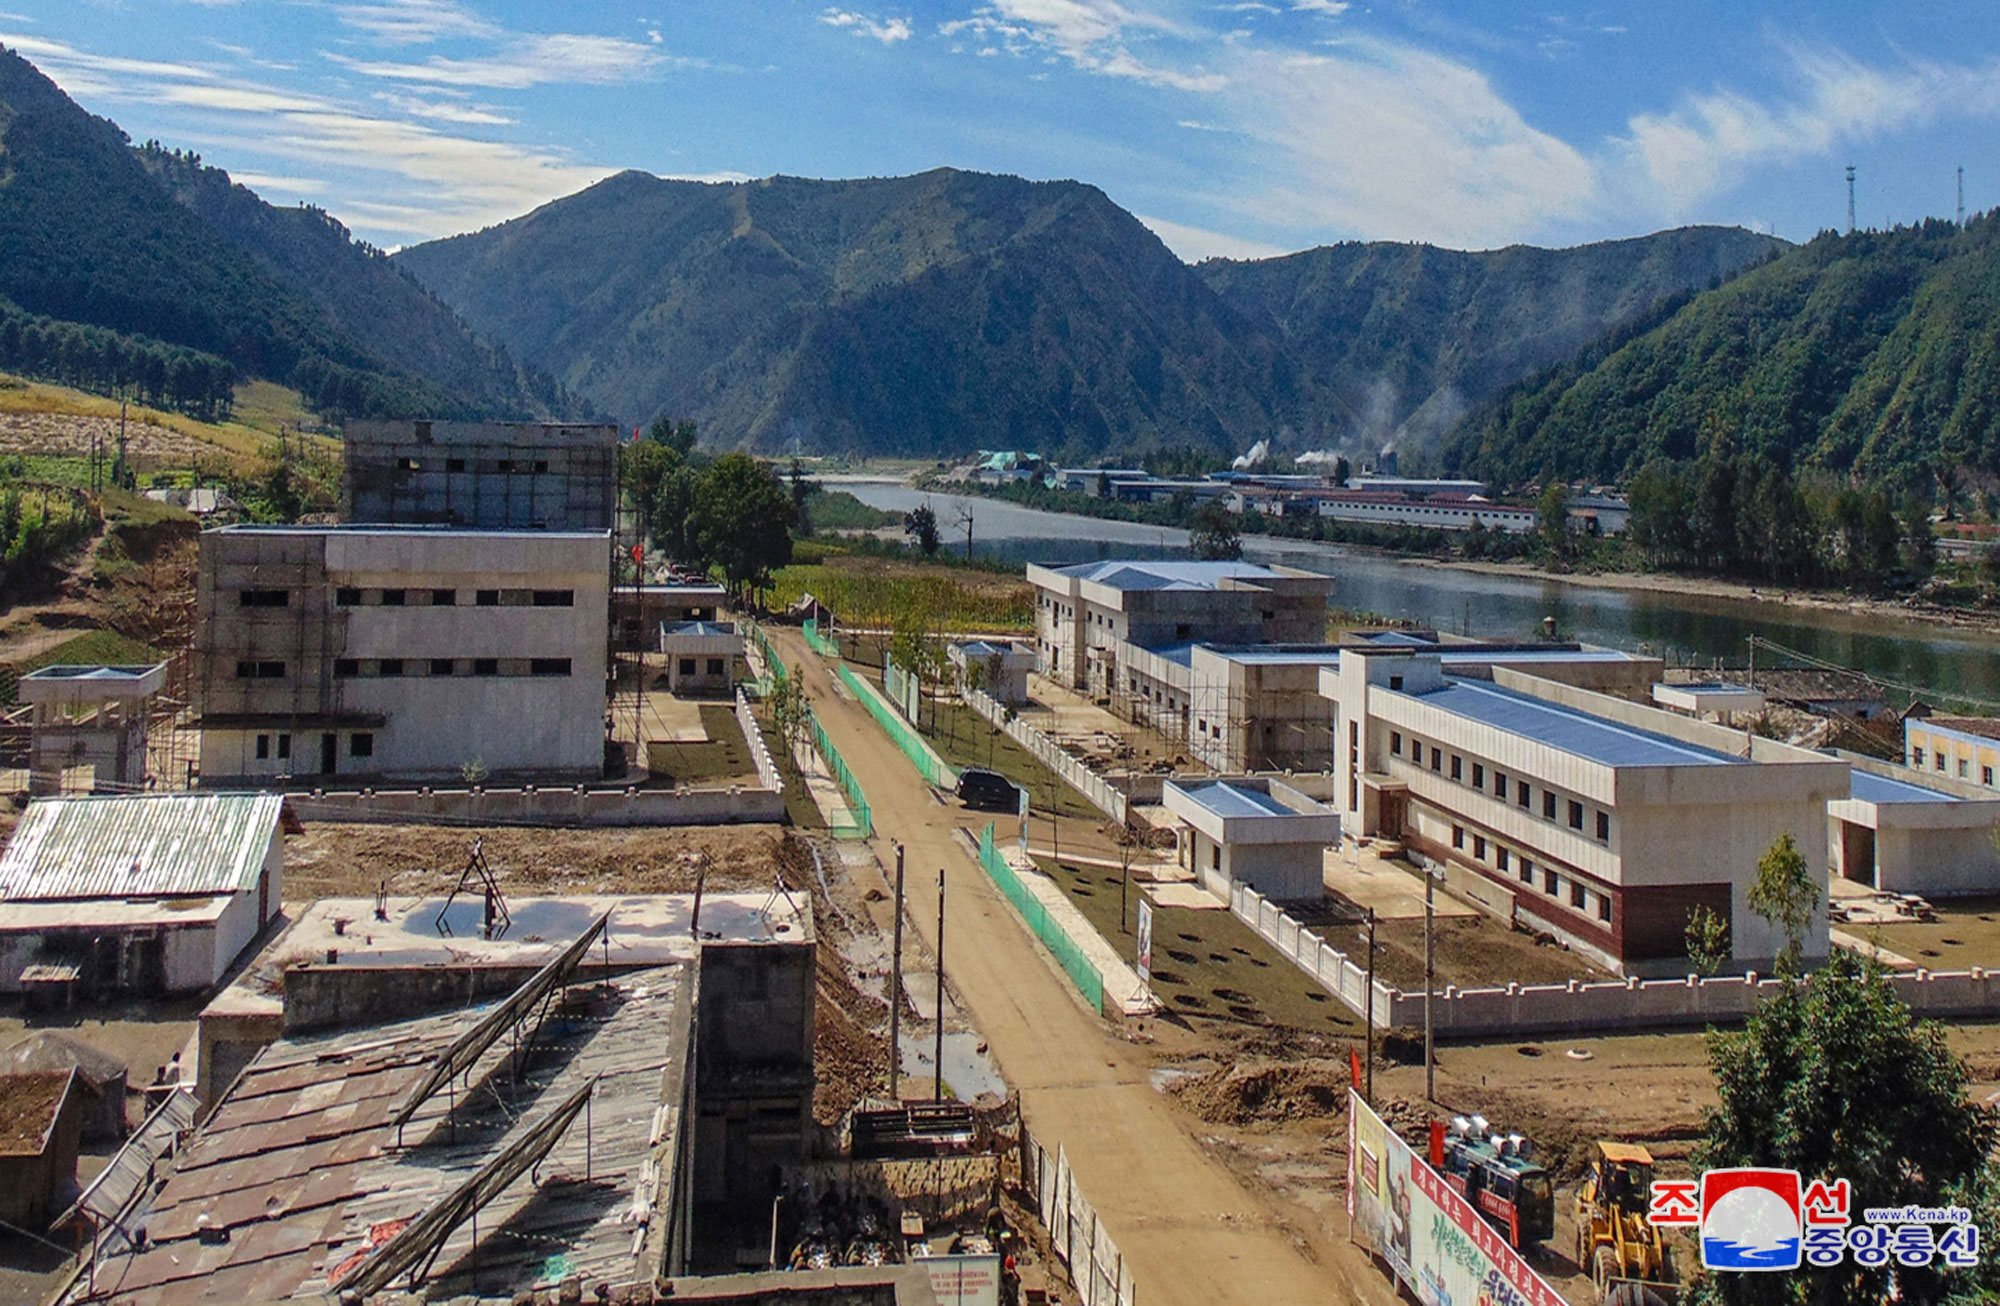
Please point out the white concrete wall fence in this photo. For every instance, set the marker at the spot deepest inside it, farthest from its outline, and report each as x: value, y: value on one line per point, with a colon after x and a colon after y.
x: 760, y: 753
x: 530, y: 805
x: 1098, y: 791
x: 1578, y: 1005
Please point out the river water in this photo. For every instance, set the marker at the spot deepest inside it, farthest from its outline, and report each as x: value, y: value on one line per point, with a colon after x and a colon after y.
x: 1681, y: 627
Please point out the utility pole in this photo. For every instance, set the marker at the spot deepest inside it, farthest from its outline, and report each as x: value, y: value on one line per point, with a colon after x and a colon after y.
x: 937, y: 1065
x: 1850, y: 199
x: 1961, y: 195
x: 1430, y: 1073
x: 896, y: 988
x: 1369, y: 1017
x: 1753, y: 662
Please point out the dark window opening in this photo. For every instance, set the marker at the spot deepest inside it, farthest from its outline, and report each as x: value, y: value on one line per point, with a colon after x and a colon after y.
x: 390, y: 667
x: 440, y: 666
x: 284, y: 746
x: 347, y: 598
x: 1548, y: 805
x: 347, y: 666
x: 1521, y: 792
x: 1603, y: 827
x: 541, y: 465
x: 454, y: 464
x: 1458, y: 836
x: 263, y: 746
x: 555, y: 598
x: 1395, y: 682
x: 1575, y: 815
x: 264, y: 598
x: 1395, y: 743
x: 715, y: 668
x: 486, y: 666
x: 486, y: 598
x: 361, y: 744
x: 444, y: 598
x: 1478, y: 776
x: 1576, y: 894
x: 260, y: 671
x: 548, y: 666
x: 393, y: 598
x: 1603, y: 907
x: 687, y: 666
x: 1457, y: 767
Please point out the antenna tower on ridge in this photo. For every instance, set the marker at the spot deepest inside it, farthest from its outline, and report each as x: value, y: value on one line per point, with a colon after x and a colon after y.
x: 1850, y: 199
x: 1961, y: 194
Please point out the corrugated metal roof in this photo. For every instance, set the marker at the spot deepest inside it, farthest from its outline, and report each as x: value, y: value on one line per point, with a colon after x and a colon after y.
x: 1567, y: 729
x: 139, y: 846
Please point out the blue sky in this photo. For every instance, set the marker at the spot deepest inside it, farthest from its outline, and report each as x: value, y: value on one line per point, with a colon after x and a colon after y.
x: 1240, y: 127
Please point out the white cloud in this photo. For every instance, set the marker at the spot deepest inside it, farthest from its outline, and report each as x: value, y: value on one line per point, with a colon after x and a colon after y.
x: 1712, y: 140
x: 265, y: 183
x: 1094, y: 35
x: 1332, y: 8
x: 469, y: 115
x: 1193, y: 244
x: 524, y: 61
x: 413, y: 22
x: 887, y: 31
x: 1384, y: 139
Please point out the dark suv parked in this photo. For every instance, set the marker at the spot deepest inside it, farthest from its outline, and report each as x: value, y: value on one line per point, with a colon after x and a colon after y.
x: 988, y: 790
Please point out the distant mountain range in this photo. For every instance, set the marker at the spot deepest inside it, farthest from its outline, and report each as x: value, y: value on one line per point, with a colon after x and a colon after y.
x: 153, y: 246
x: 950, y: 311
x: 1875, y: 353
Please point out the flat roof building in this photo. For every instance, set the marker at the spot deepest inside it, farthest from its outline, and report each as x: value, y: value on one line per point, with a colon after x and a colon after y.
x: 523, y: 475
x: 1602, y: 821
x: 331, y: 654
x: 1955, y: 747
x: 638, y: 611
x: 1262, y: 833
x: 149, y: 894
x: 1907, y: 831
x: 89, y: 715
x: 701, y: 656
x: 1088, y: 615
x: 1004, y: 667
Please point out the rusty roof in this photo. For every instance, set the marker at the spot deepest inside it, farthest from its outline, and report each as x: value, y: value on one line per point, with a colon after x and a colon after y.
x: 139, y: 846
x: 301, y: 1166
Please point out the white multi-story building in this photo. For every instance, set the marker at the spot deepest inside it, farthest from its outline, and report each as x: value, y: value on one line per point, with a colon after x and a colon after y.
x: 406, y: 653
x: 1090, y: 618
x: 1603, y: 821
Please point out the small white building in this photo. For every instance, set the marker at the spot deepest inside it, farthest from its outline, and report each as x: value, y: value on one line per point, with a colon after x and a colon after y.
x: 1005, y: 667
x: 1904, y: 831
x: 147, y: 894
x: 701, y: 656
x: 1710, y: 700
x: 1258, y: 832
x: 91, y: 716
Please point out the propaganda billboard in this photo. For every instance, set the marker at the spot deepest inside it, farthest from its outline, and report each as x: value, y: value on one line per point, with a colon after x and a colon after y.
x: 1432, y: 1238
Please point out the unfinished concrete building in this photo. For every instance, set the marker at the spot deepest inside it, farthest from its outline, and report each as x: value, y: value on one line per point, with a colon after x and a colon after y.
x: 94, y: 716
x: 496, y: 475
x: 401, y: 653
x: 597, y: 1091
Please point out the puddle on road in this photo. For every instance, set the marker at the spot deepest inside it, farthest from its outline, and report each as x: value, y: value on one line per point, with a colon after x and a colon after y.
x: 968, y: 1072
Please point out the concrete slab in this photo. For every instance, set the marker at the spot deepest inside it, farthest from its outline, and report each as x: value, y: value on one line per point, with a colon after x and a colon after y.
x: 1863, y: 948
x: 1395, y: 891
x: 674, y: 720
x: 1123, y: 990
x: 1190, y: 896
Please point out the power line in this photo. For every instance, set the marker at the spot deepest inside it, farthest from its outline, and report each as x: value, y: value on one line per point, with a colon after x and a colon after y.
x: 1915, y: 691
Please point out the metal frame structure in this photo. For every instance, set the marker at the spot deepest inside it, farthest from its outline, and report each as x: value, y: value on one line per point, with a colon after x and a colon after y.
x: 417, y: 1247
x: 495, y: 920
x: 538, y: 990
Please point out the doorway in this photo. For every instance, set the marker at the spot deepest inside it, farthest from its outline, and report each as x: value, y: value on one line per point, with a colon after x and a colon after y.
x: 329, y: 752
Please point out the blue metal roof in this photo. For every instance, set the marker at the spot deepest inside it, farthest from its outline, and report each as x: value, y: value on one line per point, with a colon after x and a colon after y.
x: 699, y: 628
x: 1566, y: 729
x: 1231, y: 801
x: 1447, y: 655
x: 1872, y: 788
x: 1166, y: 575
x: 1182, y: 653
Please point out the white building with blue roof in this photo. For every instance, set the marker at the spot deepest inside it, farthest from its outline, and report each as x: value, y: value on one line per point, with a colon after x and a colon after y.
x: 1905, y: 831
x: 1602, y: 821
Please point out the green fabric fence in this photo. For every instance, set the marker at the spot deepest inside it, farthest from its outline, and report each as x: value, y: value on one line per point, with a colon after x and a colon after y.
x: 934, y: 769
x: 861, y: 820
x: 1085, y: 976
x: 819, y: 643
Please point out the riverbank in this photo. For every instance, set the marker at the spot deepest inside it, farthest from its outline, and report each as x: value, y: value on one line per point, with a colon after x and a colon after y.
x: 1981, y: 621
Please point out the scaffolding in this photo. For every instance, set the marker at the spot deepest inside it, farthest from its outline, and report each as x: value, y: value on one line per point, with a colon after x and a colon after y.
x: 495, y: 475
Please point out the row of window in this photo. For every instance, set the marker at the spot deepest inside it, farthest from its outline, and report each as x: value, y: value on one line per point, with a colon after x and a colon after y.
x: 359, y: 744
x: 504, y: 465
x: 1964, y: 766
x: 352, y: 668
x: 348, y: 668
x: 417, y: 598
x: 1568, y: 810
x: 1551, y: 882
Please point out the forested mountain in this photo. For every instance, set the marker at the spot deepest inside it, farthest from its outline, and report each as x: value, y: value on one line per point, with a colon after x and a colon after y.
x: 952, y: 311
x: 1876, y: 353
x: 1411, y: 336
x: 90, y: 238
x: 359, y: 290
x: 941, y: 312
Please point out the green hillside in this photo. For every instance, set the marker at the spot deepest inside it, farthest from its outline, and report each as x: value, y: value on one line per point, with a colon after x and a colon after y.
x: 1876, y: 353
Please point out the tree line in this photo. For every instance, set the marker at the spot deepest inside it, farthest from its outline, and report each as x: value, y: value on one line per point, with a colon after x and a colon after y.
x: 37, y: 531
x: 1736, y: 514
x: 730, y: 513
x: 107, y: 362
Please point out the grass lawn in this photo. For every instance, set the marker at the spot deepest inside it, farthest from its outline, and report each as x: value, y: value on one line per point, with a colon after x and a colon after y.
x: 1207, y: 965
x: 872, y: 591
x: 965, y: 738
x: 724, y: 757
x: 91, y: 648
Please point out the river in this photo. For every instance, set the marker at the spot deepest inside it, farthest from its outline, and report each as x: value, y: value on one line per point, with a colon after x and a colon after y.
x: 1681, y: 627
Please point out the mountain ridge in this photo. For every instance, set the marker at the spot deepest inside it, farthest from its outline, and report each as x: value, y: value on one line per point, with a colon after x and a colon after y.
x: 951, y: 310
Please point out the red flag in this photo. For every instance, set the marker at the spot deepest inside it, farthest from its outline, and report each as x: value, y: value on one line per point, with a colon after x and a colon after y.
x: 1354, y: 1067
x: 638, y: 555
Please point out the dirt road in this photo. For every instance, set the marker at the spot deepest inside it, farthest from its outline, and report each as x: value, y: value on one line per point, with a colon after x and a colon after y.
x: 1192, y: 1234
